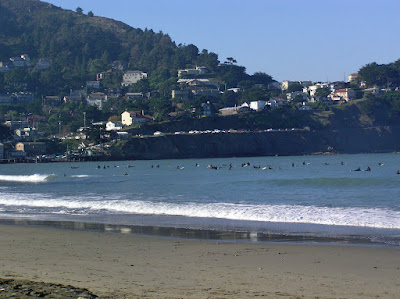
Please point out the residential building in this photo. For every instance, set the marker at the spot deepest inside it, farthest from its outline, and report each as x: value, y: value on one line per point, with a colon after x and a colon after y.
x: 135, y: 117
x: 292, y: 95
x: 206, y: 109
x: 43, y: 64
x: 23, y: 98
x: 68, y: 99
x: 258, y: 105
x: 277, y: 102
x: 16, y: 124
x: 197, y: 71
x: 234, y: 110
x: 22, y: 61
x: 182, y: 95
x: 51, y: 101
x: 31, y: 148
x: 93, y: 84
x: 97, y: 99
x: 353, y: 77
x: 113, y: 126
x: 134, y: 95
x: 132, y: 77
x: 346, y: 94
x: 5, y: 98
x: 103, y: 75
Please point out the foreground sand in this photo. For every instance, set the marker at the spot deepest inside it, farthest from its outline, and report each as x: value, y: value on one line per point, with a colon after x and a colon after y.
x: 131, y: 266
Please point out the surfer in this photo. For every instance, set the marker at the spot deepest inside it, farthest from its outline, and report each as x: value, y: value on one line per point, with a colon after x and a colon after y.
x: 358, y: 169
x: 368, y: 168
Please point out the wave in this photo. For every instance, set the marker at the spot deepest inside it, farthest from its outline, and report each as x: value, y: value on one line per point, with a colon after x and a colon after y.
x: 336, y: 216
x: 34, y: 178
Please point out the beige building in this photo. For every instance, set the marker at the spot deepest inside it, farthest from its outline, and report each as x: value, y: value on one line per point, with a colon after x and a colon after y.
x: 346, y: 94
x: 31, y: 148
x: 135, y: 117
x: 132, y: 77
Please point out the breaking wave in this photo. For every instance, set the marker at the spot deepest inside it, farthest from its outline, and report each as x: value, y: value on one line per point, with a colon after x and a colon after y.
x: 34, y: 178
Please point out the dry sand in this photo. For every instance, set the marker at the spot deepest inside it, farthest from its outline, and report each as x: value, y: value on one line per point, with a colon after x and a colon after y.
x: 132, y: 266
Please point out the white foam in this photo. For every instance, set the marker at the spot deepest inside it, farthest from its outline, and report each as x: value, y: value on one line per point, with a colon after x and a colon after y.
x: 354, y: 216
x: 34, y: 178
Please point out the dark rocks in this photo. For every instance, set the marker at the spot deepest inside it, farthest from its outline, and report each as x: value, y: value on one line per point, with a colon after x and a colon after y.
x: 11, y: 288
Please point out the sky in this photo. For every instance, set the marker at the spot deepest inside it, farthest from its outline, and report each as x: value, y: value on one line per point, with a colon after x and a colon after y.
x: 317, y: 40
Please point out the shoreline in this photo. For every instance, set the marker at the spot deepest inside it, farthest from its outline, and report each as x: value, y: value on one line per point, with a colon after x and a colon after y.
x: 135, y: 266
x: 218, y: 234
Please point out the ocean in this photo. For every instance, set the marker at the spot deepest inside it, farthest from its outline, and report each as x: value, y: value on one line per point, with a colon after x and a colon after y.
x: 317, y: 199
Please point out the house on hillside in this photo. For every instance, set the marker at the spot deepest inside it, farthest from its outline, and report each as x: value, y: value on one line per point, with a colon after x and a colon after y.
x: 234, y: 110
x: 199, y: 70
x: 97, y: 99
x: 113, y: 126
x: 258, y: 105
x: 51, y: 101
x: 277, y: 102
x: 345, y: 94
x: 132, y: 77
x: 43, y: 64
x: 135, y: 117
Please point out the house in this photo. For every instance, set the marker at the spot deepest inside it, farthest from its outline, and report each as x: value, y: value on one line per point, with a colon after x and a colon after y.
x: 93, y: 84
x: 132, y: 77
x: 16, y: 124
x: 27, y: 133
x: 113, y: 126
x: 277, y: 102
x: 305, y: 107
x: 353, y: 77
x: 51, y: 101
x: 103, y: 75
x: 68, y: 99
x: 22, y: 61
x: 97, y: 99
x: 197, y: 71
x: 33, y: 119
x: 373, y: 90
x: 346, y: 94
x: 234, y: 89
x: 292, y: 95
x: 43, y: 64
x: 182, y: 95
x: 206, y: 109
x: 23, y: 98
x: 134, y: 95
x: 257, y: 105
x: 234, y: 110
x: 31, y: 148
x: 135, y: 117
x: 205, y: 92
x: 5, y: 98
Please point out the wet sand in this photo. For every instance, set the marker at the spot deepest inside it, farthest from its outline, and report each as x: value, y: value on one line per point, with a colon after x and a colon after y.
x: 135, y: 266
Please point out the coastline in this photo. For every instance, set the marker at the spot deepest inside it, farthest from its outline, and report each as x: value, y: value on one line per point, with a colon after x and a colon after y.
x: 135, y: 266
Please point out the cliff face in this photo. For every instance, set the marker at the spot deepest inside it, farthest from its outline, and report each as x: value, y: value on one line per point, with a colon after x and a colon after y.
x: 299, y: 142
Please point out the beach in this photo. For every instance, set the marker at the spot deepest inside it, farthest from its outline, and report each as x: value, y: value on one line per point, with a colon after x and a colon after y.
x: 138, y: 266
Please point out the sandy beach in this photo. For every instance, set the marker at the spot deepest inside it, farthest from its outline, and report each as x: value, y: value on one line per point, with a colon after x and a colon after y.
x: 135, y: 266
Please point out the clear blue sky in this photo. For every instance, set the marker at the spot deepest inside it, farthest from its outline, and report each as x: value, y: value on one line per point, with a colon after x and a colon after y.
x: 314, y: 40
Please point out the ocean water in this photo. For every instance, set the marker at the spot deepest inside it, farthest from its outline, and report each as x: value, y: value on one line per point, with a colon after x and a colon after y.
x: 311, y: 198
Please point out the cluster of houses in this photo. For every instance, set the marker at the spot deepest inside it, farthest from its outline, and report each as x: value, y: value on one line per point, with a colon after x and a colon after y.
x: 23, y: 61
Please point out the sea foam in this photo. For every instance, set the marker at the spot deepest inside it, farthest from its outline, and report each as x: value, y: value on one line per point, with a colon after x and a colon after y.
x: 34, y: 178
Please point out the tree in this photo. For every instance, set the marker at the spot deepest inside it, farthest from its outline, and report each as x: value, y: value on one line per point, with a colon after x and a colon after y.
x: 90, y: 14
x: 79, y: 10
x: 294, y: 87
x: 322, y: 91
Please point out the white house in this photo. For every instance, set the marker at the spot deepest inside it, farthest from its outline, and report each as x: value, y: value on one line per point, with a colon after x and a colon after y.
x: 113, y: 126
x: 257, y: 105
x: 97, y: 99
x: 199, y: 70
x: 132, y: 77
